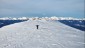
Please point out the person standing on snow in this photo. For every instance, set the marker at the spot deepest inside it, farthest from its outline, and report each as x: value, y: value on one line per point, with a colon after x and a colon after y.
x: 37, y: 26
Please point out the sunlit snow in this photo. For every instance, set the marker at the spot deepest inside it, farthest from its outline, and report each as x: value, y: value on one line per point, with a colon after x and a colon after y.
x: 49, y: 35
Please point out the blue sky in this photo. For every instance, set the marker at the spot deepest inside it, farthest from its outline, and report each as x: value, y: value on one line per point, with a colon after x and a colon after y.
x: 32, y: 8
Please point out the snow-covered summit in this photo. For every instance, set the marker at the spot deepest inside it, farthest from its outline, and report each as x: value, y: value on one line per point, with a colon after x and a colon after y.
x: 37, y: 18
x: 49, y: 35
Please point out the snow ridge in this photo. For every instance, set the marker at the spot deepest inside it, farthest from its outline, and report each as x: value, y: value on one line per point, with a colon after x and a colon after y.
x: 49, y: 35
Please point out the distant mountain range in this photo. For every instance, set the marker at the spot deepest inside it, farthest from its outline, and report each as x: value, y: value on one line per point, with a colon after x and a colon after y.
x: 42, y: 18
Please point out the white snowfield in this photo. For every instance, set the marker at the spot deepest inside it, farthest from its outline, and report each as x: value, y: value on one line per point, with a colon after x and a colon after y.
x: 49, y: 35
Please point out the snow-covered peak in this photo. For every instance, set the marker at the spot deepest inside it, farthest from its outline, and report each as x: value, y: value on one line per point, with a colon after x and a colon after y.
x: 23, y: 18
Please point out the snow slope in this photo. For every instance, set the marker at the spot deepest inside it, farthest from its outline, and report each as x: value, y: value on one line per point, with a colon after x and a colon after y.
x: 49, y: 35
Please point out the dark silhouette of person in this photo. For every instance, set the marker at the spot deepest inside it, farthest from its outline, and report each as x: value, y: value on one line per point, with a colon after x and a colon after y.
x: 37, y: 26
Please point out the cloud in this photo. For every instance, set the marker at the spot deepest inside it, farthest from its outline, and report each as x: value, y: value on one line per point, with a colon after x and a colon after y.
x: 19, y: 7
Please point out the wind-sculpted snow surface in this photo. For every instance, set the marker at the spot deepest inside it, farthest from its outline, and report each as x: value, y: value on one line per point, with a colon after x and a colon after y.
x: 49, y: 35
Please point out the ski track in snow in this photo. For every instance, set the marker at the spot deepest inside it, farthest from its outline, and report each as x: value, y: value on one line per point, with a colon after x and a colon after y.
x: 49, y: 35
